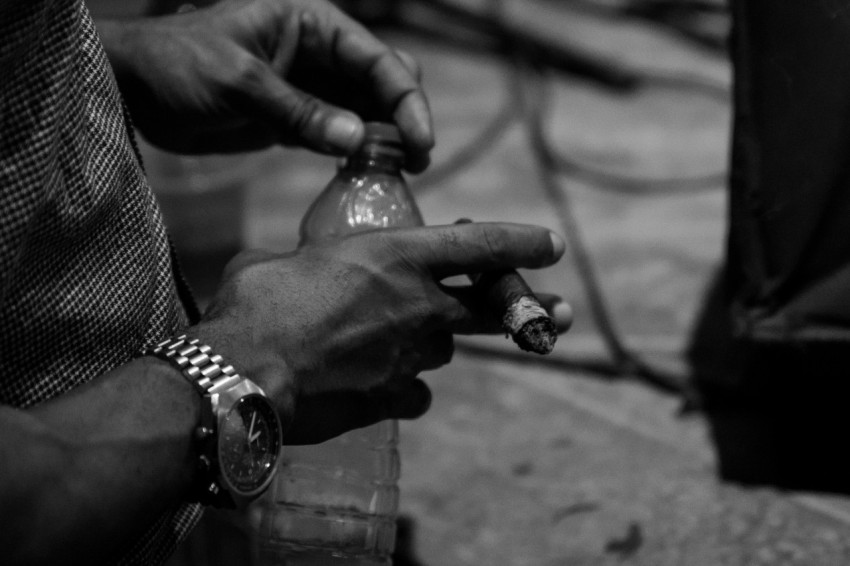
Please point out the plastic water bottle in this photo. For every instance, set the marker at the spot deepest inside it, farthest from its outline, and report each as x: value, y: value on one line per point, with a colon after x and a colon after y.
x: 336, y: 502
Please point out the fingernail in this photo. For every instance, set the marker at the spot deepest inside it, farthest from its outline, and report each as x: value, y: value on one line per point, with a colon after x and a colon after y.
x: 342, y: 132
x: 558, y: 245
x: 563, y: 314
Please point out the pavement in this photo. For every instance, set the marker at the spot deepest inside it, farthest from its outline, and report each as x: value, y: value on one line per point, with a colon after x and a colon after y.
x: 523, y: 462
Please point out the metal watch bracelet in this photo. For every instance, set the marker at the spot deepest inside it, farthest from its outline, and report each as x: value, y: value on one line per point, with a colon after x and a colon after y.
x: 206, y: 371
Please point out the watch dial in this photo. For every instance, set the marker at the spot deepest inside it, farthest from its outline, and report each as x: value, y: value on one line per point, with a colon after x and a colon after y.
x: 249, y: 442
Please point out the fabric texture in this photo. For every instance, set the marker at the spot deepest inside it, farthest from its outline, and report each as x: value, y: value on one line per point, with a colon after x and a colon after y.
x: 788, y: 269
x: 86, y: 278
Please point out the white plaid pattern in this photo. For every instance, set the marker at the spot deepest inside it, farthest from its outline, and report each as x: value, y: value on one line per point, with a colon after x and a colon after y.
x: 85, y: 265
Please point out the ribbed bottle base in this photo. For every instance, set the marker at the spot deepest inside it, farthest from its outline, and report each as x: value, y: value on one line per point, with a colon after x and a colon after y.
x: 310, y: 533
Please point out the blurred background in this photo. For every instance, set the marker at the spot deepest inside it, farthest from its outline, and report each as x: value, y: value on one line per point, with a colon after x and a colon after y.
x: 607, y: 121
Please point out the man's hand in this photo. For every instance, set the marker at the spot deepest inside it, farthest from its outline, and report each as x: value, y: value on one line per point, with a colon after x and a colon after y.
x: 337, y: 332
x: 244, y: 75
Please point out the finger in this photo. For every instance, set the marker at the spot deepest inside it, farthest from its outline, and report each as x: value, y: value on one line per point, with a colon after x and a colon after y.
x: 467, y: 311
x: 416, y: 161
x: 286, y: 42
x: 322, y: 417
x: 431, y: 351
x: 459, y: 249
x: 559, y: 311
x: 437, y: 350
x: 418, y: 156
x: 356, y: 53
x: 409, y: 402
x: 302, y: 119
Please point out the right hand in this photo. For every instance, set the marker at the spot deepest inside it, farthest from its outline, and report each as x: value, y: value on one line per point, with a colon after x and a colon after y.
x: 336, y: 332
x: 244, y: 75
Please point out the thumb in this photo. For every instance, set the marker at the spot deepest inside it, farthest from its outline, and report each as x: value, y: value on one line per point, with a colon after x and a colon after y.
x: 304, y: 120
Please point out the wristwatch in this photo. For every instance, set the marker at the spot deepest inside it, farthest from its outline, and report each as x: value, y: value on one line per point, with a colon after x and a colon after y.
x: 239, y: 436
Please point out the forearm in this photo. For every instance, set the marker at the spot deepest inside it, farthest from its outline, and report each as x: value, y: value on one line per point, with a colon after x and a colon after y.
x: 85, y: 473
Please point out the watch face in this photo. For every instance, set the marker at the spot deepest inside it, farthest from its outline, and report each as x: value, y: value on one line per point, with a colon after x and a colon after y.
x: 249, y: 442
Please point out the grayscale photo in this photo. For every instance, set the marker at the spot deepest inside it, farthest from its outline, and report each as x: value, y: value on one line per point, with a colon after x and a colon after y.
x: 425, y: 282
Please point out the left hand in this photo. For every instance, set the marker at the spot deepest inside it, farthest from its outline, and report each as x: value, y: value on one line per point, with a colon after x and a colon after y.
x: 337, y: 331
x: 243, y: 75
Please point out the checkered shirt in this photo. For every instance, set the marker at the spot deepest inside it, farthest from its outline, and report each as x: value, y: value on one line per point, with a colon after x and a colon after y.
x: 86, y: 276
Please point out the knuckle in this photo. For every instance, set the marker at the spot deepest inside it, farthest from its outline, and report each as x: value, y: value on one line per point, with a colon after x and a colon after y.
x: 389, y: 66
x: 493, y: 244
x: 246, y: 75
x: 448, y: 242
x: 540, y: 246
x: 394, y: 250
x: 243, y: 260
x: 304, y: 114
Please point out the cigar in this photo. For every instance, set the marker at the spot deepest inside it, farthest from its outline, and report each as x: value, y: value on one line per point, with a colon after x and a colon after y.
x: 522, y: 316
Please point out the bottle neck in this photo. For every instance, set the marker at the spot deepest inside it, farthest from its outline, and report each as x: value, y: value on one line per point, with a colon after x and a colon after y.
x: 377, y: 160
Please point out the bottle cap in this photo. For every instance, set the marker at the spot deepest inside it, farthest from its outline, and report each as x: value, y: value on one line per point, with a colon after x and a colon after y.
x: 381, y: 132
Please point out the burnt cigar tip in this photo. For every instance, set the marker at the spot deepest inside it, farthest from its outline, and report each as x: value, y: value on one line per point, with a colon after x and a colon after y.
x: 538, y: 335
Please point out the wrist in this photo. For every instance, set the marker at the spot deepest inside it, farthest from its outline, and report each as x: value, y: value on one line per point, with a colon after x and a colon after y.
x: 184, y: 404
x: 151, y: 411
x: 253, y: 360
x: 239, y: 436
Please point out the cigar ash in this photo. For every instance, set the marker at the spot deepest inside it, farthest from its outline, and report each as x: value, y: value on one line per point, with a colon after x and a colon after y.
x: 530, y: 325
